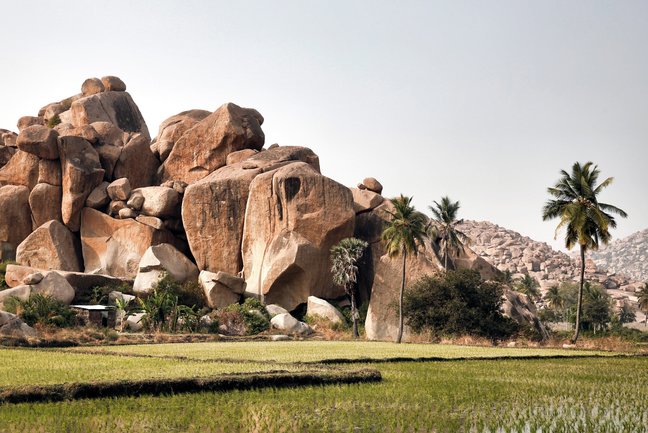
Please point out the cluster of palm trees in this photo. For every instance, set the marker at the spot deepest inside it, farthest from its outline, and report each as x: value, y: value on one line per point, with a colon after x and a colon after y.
x: 574, y: 201
x: 403, y: 235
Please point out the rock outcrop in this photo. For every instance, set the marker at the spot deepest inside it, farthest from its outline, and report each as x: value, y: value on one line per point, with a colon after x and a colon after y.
x: 15, y: 219
x: 159, y: 260
x: 50, y: 246
x: 294, y: 216
x: 627, y: 256
x: 12, y: 326
x: 115, y: 247
x: 204, y: 147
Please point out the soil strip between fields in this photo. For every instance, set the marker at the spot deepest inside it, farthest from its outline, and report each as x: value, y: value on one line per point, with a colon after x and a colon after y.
x: 221, y: 383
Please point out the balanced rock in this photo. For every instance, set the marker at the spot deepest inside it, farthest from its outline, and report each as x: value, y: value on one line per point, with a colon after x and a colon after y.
x: 221, y: 289
x: 115, y: 247
x: 82, y: 172
x: 50, y: 246
x: 213, y: 209
x: 293, y: 217
x: 136, y: 162
x: 113, y: 84
x: 92, y: 86
x: 39, y: 140
x: 22, y: 169
x: 204, y: 147
x: 365, y: 200
x: 45, y: 203
x: 159, y: 260
x: 15, y: 219
x: 320, y: 307
x: 287, y: 323
x: 373, y: 185
x: 117, y: 108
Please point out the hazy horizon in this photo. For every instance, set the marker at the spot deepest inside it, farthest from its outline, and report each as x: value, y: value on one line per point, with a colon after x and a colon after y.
x: 484, y: 102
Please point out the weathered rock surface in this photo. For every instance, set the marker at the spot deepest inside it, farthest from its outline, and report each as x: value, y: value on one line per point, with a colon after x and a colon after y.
x: 294, y: 216
x: 365, y: 200
x: 92, y: 86
x: 115, y: 247
x: 274, y: 310
x: 136, y: 162
x: 382, y: 318
x: 204, y: 147
x: 518, y: 307
x: 159, y: 260
x: 6, y: 153
x: 159, y: 201
x: 221, y: 289
x: 213, y: 210
x: 82, y: 172
x: 322, y: 308
x: 98, y: 198
x: 240, y: 156
x: 113, y: 84
x: 39, y: 140
x: 27, y: 121
x: 117, y: 108
x: 12, y: 326
x: 173, y: 128
x: 627, y: 256
x: 50, y: 246
x: 52, y: 284
x: 373, y: 185
x: 287, y: 323
x: 22, y: 169
x: 119, y: 189
x: 15, y: 218
x: 45, y: 203
x: 49, y: 172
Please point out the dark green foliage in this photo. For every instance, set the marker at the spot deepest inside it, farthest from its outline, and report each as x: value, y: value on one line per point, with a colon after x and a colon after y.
x: 529, y: 286
x: 51, y: 123
x: 43, y: 310
x: 444, y: 229
x: 253, y: 313
x: 457, y: 303
x: 596, y: 309
x: 166, y: 310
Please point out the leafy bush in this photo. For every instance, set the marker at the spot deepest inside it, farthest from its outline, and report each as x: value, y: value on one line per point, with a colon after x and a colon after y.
x: 254, y: 314
x: 457, y: 303
x: 52, y: 122
x: 597, y: 311
x: 43, y: 310
x: 3, y: 271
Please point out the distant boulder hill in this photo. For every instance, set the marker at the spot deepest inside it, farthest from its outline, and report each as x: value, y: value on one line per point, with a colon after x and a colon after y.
x: 89, y: 198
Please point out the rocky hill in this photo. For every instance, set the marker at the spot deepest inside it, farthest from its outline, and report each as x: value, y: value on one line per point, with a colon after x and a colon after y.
x: 510, y: 251
x: 628, y: 256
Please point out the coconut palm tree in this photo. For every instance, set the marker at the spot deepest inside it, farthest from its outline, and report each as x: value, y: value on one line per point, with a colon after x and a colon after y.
x: 587, y: 221
x: 529, y: 286
x: 642, y: 299
x: 555, y: 299
x: 344, y: 258
x: 403, y: 234
x: 452, y: 240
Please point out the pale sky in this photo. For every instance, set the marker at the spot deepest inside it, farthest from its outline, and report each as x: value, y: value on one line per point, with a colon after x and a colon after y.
x: 484, y: 101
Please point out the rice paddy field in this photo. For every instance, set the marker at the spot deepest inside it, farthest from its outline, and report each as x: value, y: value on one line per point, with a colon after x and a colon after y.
x: 443, y: 390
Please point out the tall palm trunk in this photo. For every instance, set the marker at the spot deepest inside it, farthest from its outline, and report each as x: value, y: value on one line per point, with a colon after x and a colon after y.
x: 354, y: 314
x: 400, y: 302
x: 579, y: 304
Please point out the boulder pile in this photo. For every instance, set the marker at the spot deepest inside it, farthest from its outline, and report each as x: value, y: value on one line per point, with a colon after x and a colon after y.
x: 89, y: 199
x: 628, y: 256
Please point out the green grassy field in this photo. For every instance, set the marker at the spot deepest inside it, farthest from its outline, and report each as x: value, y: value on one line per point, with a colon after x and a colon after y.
x: 315, y: 351
x: 606, y: 394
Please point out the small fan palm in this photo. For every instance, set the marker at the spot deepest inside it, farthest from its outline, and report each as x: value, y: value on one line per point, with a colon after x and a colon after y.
x: 529, y: 286
x: 403, y: 234
x: 554, y: 298
x: 452, y: 240
x: 575, y: 203
x: 344, y: 258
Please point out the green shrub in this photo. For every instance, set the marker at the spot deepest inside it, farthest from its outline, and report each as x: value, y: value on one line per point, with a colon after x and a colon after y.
x: 3, y: 271
x: 457, y: 303
x: 52, y: 122
x: 43, y: 310
x: 255, y: 317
